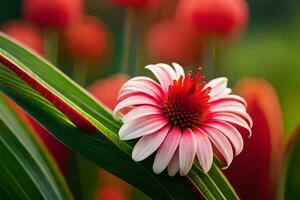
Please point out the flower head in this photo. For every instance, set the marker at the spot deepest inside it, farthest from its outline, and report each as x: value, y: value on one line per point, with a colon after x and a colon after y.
x: 53, y: 14
x: 26, y: 33
x: 87, y: 39
x: 181, y: 45
x: 181, y: 117
x: 214, y: 16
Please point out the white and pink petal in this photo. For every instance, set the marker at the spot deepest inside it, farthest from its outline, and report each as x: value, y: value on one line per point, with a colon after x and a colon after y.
x: 142, y: 111
x: 179, y: 70
x: 135, y: 101
x: 230, y: 132
x: 173, y: 166
x: 187, y: 151
x: 149, y: 144
x: 142, y: 126
x: 204, y: 150
x: 221, y: 143
x: 232, y: 119
x: 164, y: 74
x: 167, y: 150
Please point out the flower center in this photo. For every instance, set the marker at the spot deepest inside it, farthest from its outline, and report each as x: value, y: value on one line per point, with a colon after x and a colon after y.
x: 186, y: 105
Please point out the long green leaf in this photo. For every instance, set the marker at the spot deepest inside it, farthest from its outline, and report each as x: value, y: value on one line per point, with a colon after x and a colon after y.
x: 104, y: 149
x: 292, y: 174
x: 26, y: 171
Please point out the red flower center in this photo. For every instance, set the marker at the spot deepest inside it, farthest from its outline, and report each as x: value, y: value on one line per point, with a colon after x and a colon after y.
x: 187, y: 104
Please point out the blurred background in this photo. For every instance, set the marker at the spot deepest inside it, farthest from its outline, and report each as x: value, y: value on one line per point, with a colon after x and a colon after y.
x: 119, y: 37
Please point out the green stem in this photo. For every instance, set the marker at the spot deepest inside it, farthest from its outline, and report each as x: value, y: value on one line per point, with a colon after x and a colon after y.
x: 51, y: 41
x: 80, y: 71
x: 210, y: 56
x: 127, y: 37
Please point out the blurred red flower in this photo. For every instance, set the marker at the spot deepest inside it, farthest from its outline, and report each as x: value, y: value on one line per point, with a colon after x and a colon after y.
x: 25, y: 33
x: 167, y: 41
x: 214, y: 16
x: 87, y: 39
x: 107, y: 90
x: 53, y: 13
x: 255, y: 172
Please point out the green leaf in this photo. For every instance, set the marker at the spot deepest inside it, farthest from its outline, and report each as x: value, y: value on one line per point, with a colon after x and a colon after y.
x: 26, y: 171
x: 292, y: 174
x: 101, y: 144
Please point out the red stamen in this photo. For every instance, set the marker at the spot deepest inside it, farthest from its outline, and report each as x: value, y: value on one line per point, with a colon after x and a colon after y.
x: 187, y: 103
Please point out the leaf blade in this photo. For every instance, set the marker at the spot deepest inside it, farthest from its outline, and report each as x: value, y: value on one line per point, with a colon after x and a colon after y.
x: 23, y: 165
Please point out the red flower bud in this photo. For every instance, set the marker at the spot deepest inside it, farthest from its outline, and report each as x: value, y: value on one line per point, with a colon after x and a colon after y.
x: 53, y: 13
x: 87, y: 39
x: 255, y: 172
x: 107, y: 90
x: 167, y: 41
x: 25, y: 33
x: 214, y: 16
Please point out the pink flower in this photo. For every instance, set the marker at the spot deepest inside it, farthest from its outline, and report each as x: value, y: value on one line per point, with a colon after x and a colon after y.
x: 180, y: 118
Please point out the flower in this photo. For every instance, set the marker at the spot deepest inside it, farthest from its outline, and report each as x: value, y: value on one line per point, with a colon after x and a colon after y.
x: 53, y: 14
x: 266, y: 146
x: 87, y: 39
x: 214, y: 16
x: 181, y: 117
x: 106, y: 90
x: 181, y: 45
x: 26, y: 33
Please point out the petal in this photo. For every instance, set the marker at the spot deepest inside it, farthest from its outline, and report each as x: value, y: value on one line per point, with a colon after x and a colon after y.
x: 141, y: 111
x: 230, y: 97
x: 220, y: 94
x: 179, y: 70
x: 230, y: 132
x: 204, y: 150
x: 142, y: 126
x: 164, y: 74
x: 221, y: 143
x: 218, y: 86
x: 142, y: 84
x: 148, y: 144
x: 166, y: 151
x: 216, y: 83
x: 187, y: 151
x: 173, y: 166
x: 233, y: 119
x: 236, y: 111
x: 134, y: 101
x: 220, y: 104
